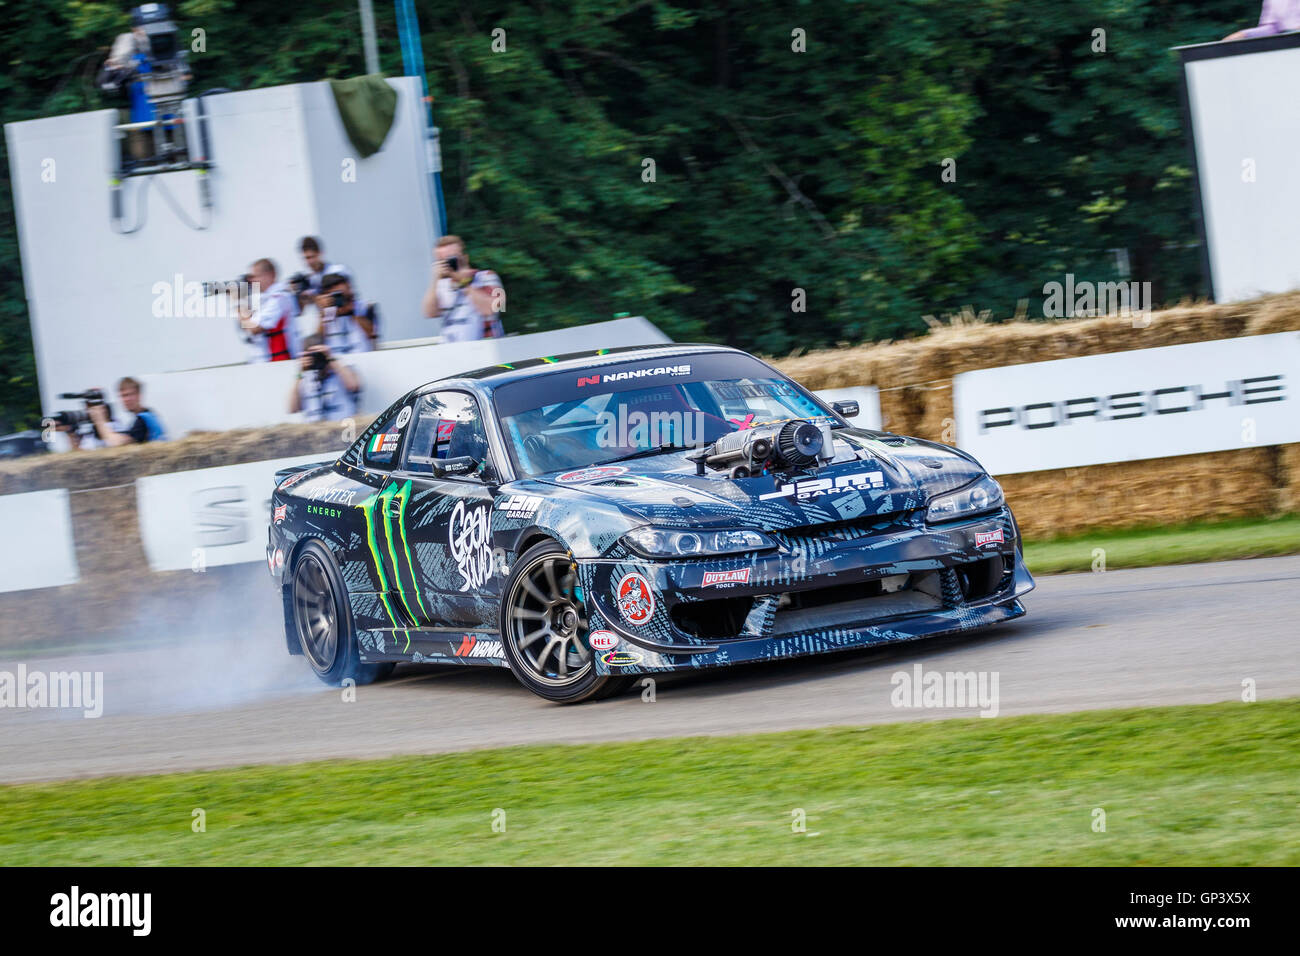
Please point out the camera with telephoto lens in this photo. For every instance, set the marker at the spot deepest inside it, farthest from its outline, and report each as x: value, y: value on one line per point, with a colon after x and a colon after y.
x: 319, y: 361
x: 76, y: 417
x: 299, y: 282
x: 453, y: 263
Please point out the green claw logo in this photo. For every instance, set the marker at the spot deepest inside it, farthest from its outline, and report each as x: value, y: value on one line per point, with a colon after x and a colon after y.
x: 380, y: 502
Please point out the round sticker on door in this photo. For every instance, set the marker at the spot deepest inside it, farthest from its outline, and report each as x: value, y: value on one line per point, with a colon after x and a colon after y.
x: 636, y: 602
x: 602, y: 640
x: 403, y: 417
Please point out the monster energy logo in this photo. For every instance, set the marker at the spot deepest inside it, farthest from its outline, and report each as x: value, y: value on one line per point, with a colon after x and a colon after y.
x: 384, y: 519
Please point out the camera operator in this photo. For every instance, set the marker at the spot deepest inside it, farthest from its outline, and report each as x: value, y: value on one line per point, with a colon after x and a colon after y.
x: 468, y: 300
x: 271, y: 324
x: 326, y: 389
x: 148, y: 67
x: 144, y: 425
x: 346, y: 323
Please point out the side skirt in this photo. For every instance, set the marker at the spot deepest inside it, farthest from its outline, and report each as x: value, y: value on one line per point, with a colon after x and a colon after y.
x: 424, y: 646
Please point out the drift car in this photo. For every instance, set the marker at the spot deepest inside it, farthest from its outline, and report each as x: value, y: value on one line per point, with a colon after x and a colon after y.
x: 587, y: 518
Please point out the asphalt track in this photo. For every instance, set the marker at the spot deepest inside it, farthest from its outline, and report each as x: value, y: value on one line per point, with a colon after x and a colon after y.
x: 1188, y: 634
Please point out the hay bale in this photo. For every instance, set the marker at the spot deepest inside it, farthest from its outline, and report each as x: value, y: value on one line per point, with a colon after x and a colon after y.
x: 102, y: 467
x: 1213, y: 486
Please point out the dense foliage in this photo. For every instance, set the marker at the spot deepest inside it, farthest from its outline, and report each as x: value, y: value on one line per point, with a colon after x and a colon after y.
x: 774, y: 170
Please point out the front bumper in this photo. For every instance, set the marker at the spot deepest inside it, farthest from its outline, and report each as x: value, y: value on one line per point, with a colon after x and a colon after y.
x: 824, y: 590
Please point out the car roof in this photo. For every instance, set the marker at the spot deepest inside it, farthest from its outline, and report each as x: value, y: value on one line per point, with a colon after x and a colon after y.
x: 493, y: 376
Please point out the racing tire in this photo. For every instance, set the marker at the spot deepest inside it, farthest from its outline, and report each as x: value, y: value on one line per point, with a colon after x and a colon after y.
x: 322, y: 620
x: 544, y: 628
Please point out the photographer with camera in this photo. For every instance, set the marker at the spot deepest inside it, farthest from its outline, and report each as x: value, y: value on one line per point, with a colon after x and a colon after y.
x: 95, y: 426
x: 270, y: 325
x: 326, y: 389
x: 346, y: 323
x: 469, y: 301
x: 307, y: 285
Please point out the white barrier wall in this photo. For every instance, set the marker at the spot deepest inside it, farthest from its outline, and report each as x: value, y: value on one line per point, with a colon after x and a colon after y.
x: 1244, y: 117
x: 251, y: 396
x: 39, y: 550
x: 1127, y: 406
x: 284, y: 169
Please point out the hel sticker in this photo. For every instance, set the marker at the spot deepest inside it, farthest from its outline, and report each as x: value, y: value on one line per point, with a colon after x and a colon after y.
x: 292, y: 478
x: 280, y: 512
x: 591, y: 474
x: 403, y: 417
x: 725, y: 577
x: 622, y: 659
x: 988, y: 537
x: 636, y: 602
x: 602, y: 640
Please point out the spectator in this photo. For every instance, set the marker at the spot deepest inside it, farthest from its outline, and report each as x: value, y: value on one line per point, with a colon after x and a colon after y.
x: 326, y: 389
x: 1277, y: 16
x: 469, y: 301
x: 313, y: 256
x: 143, y: 426
x: 270, y: 325
x: 346, y: 323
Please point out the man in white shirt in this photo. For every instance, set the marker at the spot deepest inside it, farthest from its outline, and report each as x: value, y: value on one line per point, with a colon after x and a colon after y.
x: 469, y: 301
x: 270, y: 326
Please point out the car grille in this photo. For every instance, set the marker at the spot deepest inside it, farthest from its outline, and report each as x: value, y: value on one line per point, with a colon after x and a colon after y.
x: 844, y: 605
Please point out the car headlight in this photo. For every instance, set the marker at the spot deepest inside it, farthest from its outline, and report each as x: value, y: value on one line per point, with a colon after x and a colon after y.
x: 663, y: 543
x: 979, y: 497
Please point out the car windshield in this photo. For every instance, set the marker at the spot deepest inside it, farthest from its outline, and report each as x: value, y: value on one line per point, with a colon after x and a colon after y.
x: 571, y: 420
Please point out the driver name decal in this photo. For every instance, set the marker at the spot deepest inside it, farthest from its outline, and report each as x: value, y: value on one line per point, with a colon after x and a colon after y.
x: 469, y: 535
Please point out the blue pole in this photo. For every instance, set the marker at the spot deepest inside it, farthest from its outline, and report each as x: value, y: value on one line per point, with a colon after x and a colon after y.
x: 408, y: 29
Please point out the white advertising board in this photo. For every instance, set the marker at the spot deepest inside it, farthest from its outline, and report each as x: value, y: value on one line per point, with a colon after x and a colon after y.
x: 211, y: 516
x: 1127, y: 406
x: 40, y: 553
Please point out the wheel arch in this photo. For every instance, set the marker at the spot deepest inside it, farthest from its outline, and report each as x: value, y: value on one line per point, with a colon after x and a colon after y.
x: 285, y: 602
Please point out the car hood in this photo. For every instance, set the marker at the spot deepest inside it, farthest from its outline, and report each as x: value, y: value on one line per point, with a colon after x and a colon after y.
x: 873, y: 474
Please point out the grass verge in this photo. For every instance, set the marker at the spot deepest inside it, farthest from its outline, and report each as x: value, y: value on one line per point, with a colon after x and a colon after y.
x: 1178, y: 544
x: 1200, y: 785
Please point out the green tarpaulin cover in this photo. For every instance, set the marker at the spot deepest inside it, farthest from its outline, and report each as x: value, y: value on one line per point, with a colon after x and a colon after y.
x: 366, y: 105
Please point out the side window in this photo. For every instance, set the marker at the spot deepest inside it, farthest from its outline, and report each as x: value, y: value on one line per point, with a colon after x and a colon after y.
x: 380, y: 447
x: 447, y: 425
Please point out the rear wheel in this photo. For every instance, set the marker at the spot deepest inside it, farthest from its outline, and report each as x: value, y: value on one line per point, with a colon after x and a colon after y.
x: 544, y: 630
x: 322, y: 620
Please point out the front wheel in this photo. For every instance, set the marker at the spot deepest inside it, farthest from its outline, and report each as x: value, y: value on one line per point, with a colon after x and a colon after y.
x: 544, y: 630
x: 322, y: 620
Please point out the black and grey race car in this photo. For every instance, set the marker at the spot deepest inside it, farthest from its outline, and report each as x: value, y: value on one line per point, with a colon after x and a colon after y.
x: 583, y: 519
